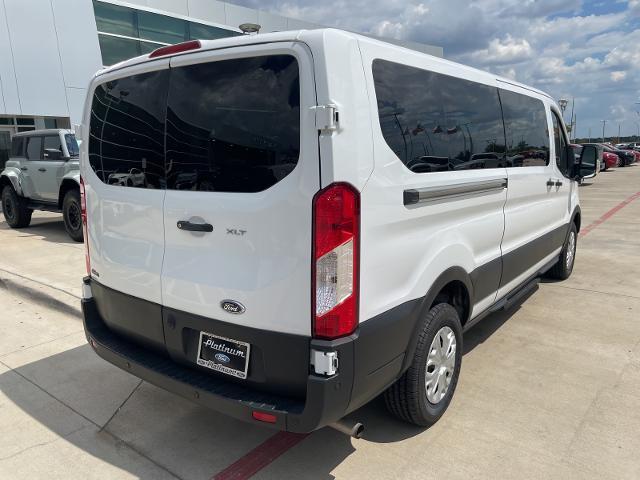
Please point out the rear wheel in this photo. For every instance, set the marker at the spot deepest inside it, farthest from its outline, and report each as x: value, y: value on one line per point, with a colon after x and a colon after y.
x: 72, y: 215
x: 423, y: 393
x: 562, y: 270
x: 15, y: 209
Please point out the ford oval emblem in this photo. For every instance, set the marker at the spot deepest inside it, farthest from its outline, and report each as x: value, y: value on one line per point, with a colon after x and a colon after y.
x: 221, y: 357
x: 231, y: 306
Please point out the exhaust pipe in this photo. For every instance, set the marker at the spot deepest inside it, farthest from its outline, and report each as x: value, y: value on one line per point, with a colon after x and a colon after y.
x: 353, y: 430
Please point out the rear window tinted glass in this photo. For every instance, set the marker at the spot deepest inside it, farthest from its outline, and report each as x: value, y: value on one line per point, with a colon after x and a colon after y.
x: 126, y: 140
x: 436, y: 122
x: 525, y: 122
x: 34, y: 148
x: 233, y: 125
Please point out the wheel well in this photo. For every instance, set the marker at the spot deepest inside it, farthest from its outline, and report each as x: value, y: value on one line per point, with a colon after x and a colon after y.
x: 64, y: 188
x: 576, y: 220
x: 4, y: 181
x: 455, y: 293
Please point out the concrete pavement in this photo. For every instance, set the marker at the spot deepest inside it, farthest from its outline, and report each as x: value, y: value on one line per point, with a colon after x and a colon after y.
x: 549, y: 389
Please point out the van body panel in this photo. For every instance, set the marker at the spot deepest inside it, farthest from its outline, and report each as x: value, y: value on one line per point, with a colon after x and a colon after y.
x: 259, y: 252
x: 346, y: 154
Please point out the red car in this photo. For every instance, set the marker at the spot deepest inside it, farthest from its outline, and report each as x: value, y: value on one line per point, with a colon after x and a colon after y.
x: 611, y: 160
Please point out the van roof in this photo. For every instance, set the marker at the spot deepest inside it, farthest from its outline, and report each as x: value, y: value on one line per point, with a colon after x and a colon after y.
x: 318, y: 35
x: 44, y: 131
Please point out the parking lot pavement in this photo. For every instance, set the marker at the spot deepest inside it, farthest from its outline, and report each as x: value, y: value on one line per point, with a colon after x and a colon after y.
x: 549, y: 389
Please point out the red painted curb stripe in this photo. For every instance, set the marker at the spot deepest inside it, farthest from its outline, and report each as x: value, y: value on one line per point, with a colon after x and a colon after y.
x: 261, y: 456
x: 609, y: 214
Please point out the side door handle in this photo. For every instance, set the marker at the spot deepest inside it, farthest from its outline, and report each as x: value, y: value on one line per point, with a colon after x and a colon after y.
x: 194, y: 227
x: 24, y: 169
x: 550, y: 183
x: 42, y: 169
x: 558, y: 183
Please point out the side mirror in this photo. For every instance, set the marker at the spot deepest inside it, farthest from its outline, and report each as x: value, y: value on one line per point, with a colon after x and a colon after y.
x: 54, y: 154
x: 587, y: 167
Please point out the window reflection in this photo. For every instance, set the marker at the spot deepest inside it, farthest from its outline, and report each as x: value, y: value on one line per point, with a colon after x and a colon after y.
x: 241, y: 132
x: 525, y: 122
x: 435, y: 122
x: 126, y: 142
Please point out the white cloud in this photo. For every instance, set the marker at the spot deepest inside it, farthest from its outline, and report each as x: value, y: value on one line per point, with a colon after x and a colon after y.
x: 618, y: 75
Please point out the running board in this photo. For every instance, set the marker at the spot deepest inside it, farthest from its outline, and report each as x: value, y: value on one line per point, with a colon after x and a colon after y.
x: 518, y: 295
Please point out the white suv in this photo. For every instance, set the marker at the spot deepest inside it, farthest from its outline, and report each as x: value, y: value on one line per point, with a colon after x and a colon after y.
x: 42, y: 173
x: 304, y: 220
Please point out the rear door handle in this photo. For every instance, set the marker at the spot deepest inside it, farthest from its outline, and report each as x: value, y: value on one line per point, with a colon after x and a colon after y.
x: 194, y: 227
x: 558, y: 183
x: 550, y: 183
x: 42, y: 169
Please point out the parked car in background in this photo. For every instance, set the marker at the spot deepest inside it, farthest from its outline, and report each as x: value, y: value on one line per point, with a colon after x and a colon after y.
x: 625, y: 156
x: 629, y: 148
x: 42, y: 173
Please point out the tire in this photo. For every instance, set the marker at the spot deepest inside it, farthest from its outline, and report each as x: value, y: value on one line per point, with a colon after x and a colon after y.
x: 15, y: 208
x: 72, y: 215
x: 563, y: 268
x: 408, y: 398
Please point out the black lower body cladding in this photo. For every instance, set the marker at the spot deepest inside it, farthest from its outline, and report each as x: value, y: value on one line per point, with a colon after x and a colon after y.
x: 280, y: 380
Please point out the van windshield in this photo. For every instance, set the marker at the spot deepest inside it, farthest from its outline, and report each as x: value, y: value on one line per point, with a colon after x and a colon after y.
x: 72, y: 145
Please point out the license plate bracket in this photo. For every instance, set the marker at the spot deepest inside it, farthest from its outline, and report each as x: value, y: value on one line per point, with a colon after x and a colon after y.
x: 224, y: 355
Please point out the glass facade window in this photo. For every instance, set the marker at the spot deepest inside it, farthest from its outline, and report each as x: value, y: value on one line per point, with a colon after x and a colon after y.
x: 161, y: 28
x: 50, y: 123
x: 127, y: 32
x: 115, y: 19
x: 116, y: 49
x: 25, y: 121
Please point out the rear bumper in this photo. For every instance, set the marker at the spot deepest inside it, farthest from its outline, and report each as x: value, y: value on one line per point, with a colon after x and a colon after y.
x: 370, y: 360
x: 327, y: 398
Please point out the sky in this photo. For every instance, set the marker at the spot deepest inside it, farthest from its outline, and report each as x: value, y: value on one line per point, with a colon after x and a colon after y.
x: 583, y: 49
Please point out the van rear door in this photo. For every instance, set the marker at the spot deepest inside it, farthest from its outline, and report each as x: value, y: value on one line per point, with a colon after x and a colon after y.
x: 242, y: 170
x: 124, y: 184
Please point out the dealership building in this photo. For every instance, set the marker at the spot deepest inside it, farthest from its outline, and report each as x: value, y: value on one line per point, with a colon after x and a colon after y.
x: 50, y: 49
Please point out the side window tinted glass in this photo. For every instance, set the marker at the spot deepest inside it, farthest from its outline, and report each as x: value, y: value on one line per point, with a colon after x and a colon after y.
x: 17, y: 147
x: 52, y: 142
x: 34, y: 148
x: 435, y: 122
x: 233, y: 125
x: 560, y: 145
x: 525, y: 122
x: 126, y: 138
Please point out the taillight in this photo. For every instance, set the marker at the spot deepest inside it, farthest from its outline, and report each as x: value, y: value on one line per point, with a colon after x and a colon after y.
x: 336, y: 244
x: 177, y: 48
x: 83, y: 211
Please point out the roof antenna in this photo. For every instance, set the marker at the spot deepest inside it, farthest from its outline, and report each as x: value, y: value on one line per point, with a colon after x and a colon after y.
x: 250, y: 28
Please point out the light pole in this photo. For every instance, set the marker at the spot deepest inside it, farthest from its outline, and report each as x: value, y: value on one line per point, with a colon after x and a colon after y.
x: 563, y: 102
x: 604, y: 123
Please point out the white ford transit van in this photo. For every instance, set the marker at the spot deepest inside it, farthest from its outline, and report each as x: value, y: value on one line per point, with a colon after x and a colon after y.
x: 282, y: 227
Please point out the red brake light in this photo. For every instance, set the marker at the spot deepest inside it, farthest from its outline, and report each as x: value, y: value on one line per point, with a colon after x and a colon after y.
x: 177, y: 48
x: 336, y: 244
x: 264, y: 417
x: 85, y: 230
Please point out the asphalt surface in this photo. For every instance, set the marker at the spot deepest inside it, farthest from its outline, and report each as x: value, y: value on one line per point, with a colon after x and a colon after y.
x: 549, y: 389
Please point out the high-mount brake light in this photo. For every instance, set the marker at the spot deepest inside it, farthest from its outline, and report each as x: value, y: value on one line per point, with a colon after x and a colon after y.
x: 336, y: 245
x: 177, y: 48
x: 85, y: 229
